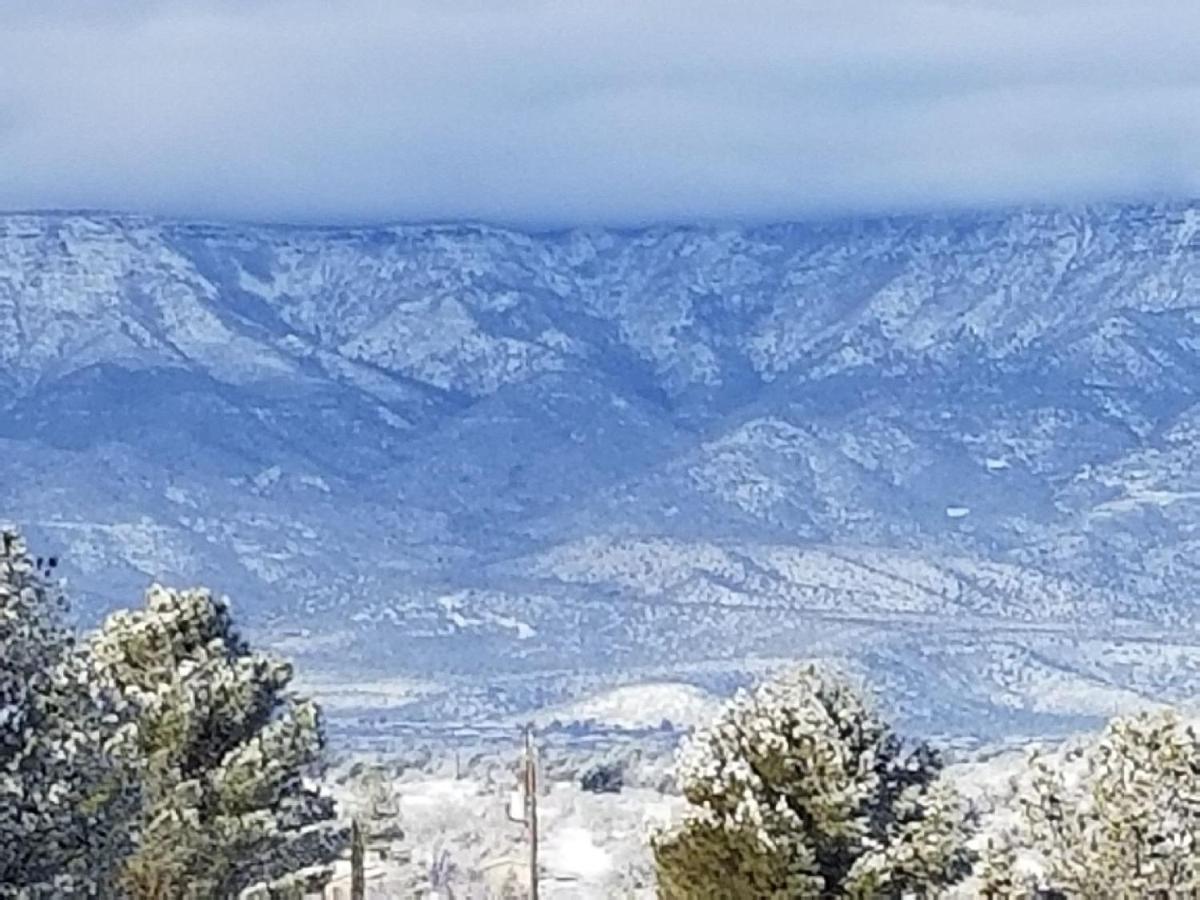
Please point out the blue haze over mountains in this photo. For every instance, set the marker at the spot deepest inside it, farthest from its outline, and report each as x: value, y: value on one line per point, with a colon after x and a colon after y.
x: 955, y: 453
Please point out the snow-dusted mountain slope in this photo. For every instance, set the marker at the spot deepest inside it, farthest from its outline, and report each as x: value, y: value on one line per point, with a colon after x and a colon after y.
x: 957, y: 452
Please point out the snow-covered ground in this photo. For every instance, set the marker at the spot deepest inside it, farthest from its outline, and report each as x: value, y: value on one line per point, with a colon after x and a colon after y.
x: 458, y: 834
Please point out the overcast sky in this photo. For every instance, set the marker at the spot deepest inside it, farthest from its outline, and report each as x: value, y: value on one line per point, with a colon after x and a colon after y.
x: 593, y: 111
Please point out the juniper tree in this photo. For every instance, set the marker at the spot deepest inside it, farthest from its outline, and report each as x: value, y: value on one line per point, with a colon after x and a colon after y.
x: 1117, y: 818
x: 379, y: 813
x: 66, y: 778
x: 225, y: 753
x: 799, y: 790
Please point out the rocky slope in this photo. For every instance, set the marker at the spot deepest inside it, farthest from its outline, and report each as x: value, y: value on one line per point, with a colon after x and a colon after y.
x: 955, y: 452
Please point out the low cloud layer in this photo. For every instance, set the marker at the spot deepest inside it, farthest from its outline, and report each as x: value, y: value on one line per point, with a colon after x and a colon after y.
x: 609, y: 111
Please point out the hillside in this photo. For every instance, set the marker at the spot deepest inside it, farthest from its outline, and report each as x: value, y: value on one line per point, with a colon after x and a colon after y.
x: 507, y: 470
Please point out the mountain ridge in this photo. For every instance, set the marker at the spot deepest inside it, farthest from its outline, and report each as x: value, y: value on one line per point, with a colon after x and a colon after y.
x: 364, y: 422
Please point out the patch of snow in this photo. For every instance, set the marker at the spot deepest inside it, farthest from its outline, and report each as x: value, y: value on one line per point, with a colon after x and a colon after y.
x: 572, y: 851
x: 314, y: 481
x: 436, y: 792
x: 1136, y: 498
x: 179, y: 495
x: 267, y: 478
x: 450, y: 605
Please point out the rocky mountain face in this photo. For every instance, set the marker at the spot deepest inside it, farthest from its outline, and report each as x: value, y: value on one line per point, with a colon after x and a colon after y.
x: 489, y: 471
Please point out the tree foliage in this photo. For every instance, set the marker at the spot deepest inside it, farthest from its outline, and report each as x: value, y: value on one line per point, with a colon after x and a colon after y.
x: 799, y: 790
x: 1117, y: 818
x: 161, y: 758
x: 225, y: 753
x: 66, y: 771
x: 603, y: 778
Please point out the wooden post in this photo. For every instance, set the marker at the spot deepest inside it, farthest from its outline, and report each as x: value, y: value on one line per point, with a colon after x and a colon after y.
x: 529, y: 814
x: 531, y: 810
x: 358, y: 883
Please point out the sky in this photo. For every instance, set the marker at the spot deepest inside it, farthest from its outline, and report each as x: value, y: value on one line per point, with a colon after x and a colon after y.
x: 581, y: 112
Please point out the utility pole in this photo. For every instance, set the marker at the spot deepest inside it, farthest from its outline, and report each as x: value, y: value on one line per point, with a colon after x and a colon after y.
x: 531, y: 810
x: 357, y: 881
x: 529, y: 787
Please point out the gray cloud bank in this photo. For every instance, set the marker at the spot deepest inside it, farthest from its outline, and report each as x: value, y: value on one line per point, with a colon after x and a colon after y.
x: 602, y: 111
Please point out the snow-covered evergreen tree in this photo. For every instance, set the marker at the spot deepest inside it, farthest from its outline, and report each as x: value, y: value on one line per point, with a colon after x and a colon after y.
x: 380, y: 812
x: 799, y: 790
x: 66, y: 781
x: 225, y: 753
x: 1117, y: 818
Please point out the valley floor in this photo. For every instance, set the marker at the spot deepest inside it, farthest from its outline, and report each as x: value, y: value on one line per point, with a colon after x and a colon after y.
x: 457, y: 836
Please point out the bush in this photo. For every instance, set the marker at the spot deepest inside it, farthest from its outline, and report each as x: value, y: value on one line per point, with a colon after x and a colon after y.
x: 160, y: 758
x: 67, y: 786
x: 798, y: 790
x: 225, y: 753
x: 603, y: 778
x: 1117, y: 818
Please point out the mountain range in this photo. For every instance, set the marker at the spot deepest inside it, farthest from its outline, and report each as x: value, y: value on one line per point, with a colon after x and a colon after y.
x: 463, y: 473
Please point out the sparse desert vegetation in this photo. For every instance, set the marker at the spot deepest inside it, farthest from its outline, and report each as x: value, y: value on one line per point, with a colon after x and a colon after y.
x: 160, y: 757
